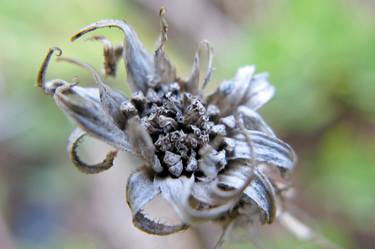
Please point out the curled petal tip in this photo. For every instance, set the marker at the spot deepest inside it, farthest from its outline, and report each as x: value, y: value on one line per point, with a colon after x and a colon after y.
x: 99, y: 24
x: 73, y: 143
x: 162, y: 11
x: 41, y: 78
x: 56, y: 49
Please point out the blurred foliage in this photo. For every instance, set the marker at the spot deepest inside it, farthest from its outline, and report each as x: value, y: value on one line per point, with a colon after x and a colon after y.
x: 320, y: 55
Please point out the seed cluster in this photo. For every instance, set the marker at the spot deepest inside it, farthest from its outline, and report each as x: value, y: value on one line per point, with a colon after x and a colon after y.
x: 178, y: 123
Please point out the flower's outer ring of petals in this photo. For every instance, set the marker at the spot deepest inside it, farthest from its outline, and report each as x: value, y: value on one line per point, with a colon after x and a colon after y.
x: 73, y: 143
x: 140, y: 190
x: 139, y: 63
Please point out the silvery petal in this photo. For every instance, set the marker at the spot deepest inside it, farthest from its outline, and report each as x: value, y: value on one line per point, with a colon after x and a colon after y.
x: 202, y: 191
x: 269, y: 150
x: 230, y: 93
x: 253, y: 121
x: 212, y: 161
x: 111, y: 99
x: 260, y: 92
x: 141, y: 140
x: 259, y: 190
x: 73, y: 143
x: 177, y: 192
x: 245, y: 89
x: 140, y: 190
x: 139, y: 63
x: 80, y: 106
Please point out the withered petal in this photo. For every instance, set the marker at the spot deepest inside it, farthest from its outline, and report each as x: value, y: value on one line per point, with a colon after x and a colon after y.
x: 139, y: 63
x: 49, y: 86
x: 178, y: 191
x: 246, y: 89
x: 259, y: 190
x: 141, y: 140
x: 268, y: 150
x: 253, y: 121
x: 260, y: 92
x: 209, y: 190
x: 73, y: 143
x: 211, y: 161
x: 164, y: 72
x: 80, y: 106
x: 192, y: 84
x: 111, y: 99
x: 111, y: 54
x: 210, y: 68
x: 140, y: 190
x: 153, y: 227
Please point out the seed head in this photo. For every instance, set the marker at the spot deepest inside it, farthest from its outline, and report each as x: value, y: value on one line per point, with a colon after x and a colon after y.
x: 212, y: 157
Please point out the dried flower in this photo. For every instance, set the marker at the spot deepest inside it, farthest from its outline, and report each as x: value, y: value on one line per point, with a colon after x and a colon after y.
x: 212, y: 158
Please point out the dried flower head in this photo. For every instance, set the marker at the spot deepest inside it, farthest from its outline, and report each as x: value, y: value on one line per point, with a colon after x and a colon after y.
x: 212, y: 158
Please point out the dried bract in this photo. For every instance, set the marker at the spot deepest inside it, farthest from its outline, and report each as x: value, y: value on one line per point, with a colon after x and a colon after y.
x: 213, y: 158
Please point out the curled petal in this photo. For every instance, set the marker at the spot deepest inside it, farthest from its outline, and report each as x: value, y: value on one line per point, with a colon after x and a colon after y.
x: 177, y: 191
x: 73, y: 143
x: 139, y: 191
x: 152, y: 227
x: 268, y: 150
x: 203, y: 192
x: 259, y: 190
x: 210, y: 68
x: 49, y: 87
x: 139, y: 63
x: 245, y: 89
x: 111, y: 99
x: 111, y: 55
x: 192, y: 84
x: 79, y: 105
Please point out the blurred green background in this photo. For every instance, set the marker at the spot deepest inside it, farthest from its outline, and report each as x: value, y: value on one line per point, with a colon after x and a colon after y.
x: 320, y: 55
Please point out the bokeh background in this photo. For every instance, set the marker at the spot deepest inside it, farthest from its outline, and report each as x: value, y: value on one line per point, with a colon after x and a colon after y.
x: 320, y: 55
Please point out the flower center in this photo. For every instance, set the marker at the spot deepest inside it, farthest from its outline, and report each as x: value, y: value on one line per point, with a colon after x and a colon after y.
x: 178, y: 125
